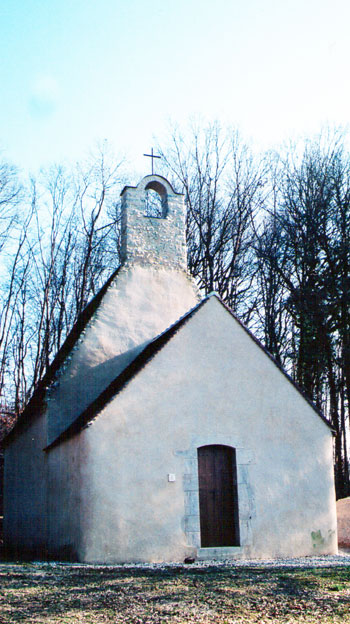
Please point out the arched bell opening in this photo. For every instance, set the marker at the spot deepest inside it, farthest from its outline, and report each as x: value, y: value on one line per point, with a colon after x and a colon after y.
x: 156, y: 200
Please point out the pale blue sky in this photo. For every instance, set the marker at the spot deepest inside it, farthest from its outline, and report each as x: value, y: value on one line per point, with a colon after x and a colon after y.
x: 76, y: 71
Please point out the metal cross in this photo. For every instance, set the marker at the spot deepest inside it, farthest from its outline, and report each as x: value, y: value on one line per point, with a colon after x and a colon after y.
x: 151, y: 155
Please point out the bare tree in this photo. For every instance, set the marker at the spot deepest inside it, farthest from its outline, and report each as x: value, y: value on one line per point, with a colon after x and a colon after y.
x: 65, y: 249
x: 10, y: 196
x: 13, y: 236
x: 224, y: 186
x: 311, y: 265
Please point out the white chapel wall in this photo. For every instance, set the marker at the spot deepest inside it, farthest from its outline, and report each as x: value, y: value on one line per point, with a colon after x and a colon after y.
x: 25, y: 490
x: 68, y: 504
x: 210, y: 384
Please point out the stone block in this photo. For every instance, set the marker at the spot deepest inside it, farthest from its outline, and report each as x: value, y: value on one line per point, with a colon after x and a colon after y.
x: 192, y: 524
x: 191, y: 502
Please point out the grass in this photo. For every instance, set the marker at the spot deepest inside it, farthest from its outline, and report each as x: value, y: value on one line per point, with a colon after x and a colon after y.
x: 66, y: 594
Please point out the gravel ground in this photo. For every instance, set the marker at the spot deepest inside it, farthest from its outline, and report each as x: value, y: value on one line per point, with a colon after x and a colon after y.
x: 342, y: 559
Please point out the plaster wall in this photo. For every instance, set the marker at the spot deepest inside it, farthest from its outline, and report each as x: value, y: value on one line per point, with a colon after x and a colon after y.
x: 68, y: 502
x: 211, y: 384
x: 25, y: 491
x: 140, y: 304
x: 343, y: 519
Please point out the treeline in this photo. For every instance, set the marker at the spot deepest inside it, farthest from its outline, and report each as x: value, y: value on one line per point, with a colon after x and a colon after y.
x: 269, y: 233
x: 59, y: 242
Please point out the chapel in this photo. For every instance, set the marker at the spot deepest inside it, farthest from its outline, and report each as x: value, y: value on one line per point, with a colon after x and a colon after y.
x: 163, y: 430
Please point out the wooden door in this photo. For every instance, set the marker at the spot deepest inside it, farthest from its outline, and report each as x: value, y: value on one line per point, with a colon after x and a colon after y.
x: 218, y: 503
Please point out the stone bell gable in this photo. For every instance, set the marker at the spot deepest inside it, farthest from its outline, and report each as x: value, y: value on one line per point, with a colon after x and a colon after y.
x: 154, y: 241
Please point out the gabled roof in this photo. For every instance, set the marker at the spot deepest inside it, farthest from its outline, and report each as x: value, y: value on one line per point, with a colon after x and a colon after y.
x: 125, y: 376
x: 144, y: 356
x: 35, y: 404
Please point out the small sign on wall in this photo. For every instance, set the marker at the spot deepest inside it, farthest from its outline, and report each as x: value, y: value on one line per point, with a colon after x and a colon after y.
x: 171, y: 477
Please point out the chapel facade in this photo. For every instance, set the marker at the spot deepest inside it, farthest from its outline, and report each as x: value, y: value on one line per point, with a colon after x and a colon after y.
x: 163, y: 429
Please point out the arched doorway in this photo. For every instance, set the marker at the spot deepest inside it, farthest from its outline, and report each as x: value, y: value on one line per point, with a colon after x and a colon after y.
x: 218, y: 499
